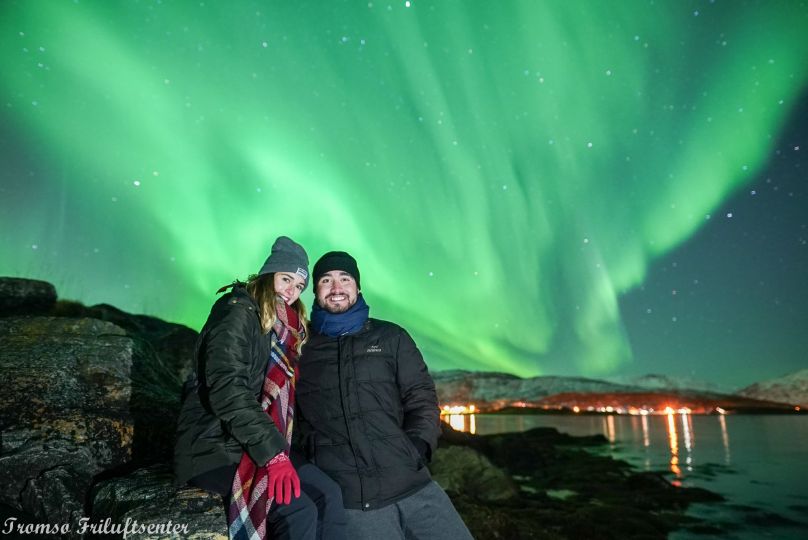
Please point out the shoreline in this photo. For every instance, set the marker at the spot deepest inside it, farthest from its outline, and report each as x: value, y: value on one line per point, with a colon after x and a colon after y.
x: 543, y: 483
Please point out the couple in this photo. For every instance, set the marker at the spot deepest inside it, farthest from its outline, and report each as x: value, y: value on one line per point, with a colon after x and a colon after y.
x: 354, y: 390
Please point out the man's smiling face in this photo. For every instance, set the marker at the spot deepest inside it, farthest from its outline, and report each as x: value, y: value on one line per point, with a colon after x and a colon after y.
x: 336, y: 291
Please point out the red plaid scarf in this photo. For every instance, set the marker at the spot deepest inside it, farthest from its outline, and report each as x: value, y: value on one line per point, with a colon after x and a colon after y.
x: 249, y: 499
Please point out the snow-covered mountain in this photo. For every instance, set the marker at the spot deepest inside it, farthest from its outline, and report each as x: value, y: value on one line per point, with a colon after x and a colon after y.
x: 495, y: 390
x: 655, y: 381
x: 792, y: 388
x: 458, y: 386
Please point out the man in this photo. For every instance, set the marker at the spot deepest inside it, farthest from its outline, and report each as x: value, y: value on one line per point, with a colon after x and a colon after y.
x: 368, y: 414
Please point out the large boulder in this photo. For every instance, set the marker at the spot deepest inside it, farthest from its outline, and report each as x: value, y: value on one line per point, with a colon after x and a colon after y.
x: 173, y: 343
x: 162, y: 361
x: 65, y: 411
x: 20, y: 296
x: 91, y: 393
x: 83, y: 396
x: 147, y: 501
x: 459, y: 469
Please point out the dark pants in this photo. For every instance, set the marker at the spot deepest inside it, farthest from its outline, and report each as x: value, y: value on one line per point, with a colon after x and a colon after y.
x: 316, y: 514
x: 427, y: 514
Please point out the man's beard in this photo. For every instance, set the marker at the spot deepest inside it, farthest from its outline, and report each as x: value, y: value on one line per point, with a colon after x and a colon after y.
x: 335, y: 309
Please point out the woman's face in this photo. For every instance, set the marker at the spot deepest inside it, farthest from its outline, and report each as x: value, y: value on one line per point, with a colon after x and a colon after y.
x: 288, y: 286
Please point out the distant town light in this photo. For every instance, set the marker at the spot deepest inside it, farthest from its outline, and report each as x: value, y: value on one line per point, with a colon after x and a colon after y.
x: 458, y: 409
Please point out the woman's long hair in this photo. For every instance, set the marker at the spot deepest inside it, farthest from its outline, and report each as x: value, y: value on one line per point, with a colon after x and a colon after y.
x: 262, y: 289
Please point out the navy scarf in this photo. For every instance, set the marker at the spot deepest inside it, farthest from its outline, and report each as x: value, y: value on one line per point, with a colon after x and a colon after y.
x: 338, y: 324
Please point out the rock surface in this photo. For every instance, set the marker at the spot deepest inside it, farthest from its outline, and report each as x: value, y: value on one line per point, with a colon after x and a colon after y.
x: 18, y: 295
x: 173, y: 343
x: 84, y: 398
x: 459, y: 469
x: 65, y: 411
x: 163, y: 356
x: 565, y: 492
x: 540, y: 484
x: 147, y: 497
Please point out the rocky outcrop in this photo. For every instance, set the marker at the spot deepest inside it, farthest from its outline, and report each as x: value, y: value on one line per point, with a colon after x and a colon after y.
x: 29, y: 296
x: 563, y: 491
x: 537, y: 484
x: 83, y: 398
x: 66, y: 412
x: 459, y: 469
x: 147, y: 502
x: 172, y: 343
x: 162, y: 361
x: 146, y: 497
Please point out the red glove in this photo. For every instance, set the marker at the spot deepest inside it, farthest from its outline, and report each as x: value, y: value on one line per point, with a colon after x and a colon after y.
x: 282, y: 479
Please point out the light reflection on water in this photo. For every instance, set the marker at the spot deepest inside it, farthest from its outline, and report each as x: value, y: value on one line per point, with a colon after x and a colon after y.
x: 724, y: 438
x: 673, y: 442
x: 759, y: 461
x: 467, y: 423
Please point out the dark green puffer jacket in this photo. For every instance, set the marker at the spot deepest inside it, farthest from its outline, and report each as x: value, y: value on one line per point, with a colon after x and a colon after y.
x: 221, y: 415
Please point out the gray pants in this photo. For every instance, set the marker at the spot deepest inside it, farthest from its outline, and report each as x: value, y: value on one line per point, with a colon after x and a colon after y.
x: 425, y: 515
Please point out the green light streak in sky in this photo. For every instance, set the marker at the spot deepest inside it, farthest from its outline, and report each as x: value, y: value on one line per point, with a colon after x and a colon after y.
x: 502, y: 171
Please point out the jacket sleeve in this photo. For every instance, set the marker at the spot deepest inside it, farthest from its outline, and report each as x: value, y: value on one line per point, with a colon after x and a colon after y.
x: 418, y: 397
x: 228, y: 353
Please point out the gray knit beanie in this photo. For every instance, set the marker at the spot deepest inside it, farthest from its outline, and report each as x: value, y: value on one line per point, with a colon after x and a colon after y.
x: 287, y: 256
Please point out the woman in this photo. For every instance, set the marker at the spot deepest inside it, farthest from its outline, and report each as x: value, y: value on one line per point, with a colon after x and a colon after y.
x: 235, y: 426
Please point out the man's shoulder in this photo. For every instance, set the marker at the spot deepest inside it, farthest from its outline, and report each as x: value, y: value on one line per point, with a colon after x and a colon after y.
x: 384, y: 326
x: 386, y: 331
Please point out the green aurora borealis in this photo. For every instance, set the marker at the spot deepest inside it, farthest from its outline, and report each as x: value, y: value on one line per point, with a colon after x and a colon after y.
x: 503, y: 171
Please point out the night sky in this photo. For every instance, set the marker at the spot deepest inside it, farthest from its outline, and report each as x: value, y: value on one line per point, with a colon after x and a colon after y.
x: 562, y: 187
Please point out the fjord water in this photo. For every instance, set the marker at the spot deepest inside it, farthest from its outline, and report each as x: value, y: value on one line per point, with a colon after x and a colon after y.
x: 759, y: 463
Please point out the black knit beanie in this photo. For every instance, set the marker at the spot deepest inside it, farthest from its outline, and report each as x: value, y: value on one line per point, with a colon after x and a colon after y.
x: 336, y: 260
x: 287, y: 256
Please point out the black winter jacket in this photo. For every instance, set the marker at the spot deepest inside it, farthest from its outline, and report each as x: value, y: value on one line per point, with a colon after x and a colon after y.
x: 221, y: 416
x: 361, y: 399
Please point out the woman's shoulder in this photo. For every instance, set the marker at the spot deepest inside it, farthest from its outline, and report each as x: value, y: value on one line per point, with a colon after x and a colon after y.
x: 235, y: 303
x: 237, y: 295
